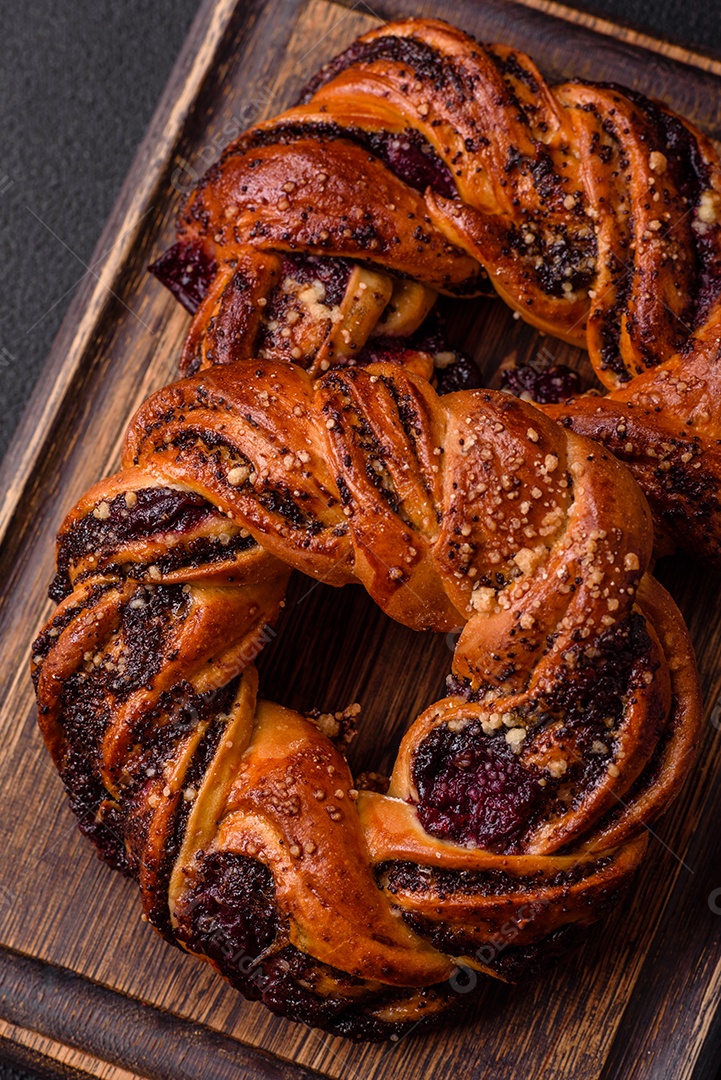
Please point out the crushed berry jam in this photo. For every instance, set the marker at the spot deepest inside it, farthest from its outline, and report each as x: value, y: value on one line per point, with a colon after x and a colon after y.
x: 157, y: 510
x: 547, y: 386
x: 460, y: 686
x: 472, y: 789
x: 187, y: 271
x: 462, y: 374
x: 333, y: 274
x: 384, y: 350
x: 412, y: 159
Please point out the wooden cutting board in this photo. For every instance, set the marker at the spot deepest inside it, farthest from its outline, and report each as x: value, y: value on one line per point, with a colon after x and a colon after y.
x: 86, y: 988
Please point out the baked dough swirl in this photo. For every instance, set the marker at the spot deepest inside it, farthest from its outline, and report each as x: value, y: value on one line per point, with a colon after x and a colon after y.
x: 519, y: 804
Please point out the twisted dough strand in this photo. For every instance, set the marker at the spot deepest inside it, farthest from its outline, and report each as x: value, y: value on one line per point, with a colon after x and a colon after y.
x: 571, y: 719
x: 665, y: 425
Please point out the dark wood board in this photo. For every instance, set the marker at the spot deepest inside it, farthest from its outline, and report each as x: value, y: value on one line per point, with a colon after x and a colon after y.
x: 85, y: 986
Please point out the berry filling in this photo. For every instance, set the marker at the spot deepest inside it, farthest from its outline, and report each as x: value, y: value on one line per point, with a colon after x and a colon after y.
x: 547, y: 386
x: 333, y: 274
x: 473, y: 790
x: 461, y: 374
x: 412, y: 159
x: 187, y: 272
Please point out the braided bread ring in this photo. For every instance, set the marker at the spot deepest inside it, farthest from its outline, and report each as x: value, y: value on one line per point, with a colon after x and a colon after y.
x: 518, y: 801
x: 439, y: 162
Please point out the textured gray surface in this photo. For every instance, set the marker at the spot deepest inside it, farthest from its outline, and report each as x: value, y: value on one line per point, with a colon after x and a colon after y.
x: 79, y: 84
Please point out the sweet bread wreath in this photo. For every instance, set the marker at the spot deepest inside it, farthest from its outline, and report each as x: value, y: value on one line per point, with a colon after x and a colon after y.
x: 307, y: 435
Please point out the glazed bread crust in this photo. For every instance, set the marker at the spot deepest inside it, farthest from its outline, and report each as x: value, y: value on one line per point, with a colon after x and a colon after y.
x: 571, y: 718
x: 307, y: 435
x: 420, y: 161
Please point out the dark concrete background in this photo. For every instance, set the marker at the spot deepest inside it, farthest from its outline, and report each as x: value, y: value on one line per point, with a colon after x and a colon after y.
x: 78, y: 83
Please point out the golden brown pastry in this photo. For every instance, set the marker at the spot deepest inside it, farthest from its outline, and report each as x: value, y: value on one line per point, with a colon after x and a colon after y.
x: 518, y: 806
x: 422, y: 162
x: 308, y: 436
x: 666, y: 426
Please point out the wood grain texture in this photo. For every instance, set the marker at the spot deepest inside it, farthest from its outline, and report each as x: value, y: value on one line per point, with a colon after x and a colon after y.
x: 121, y: 1031
x: 83, y: 982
